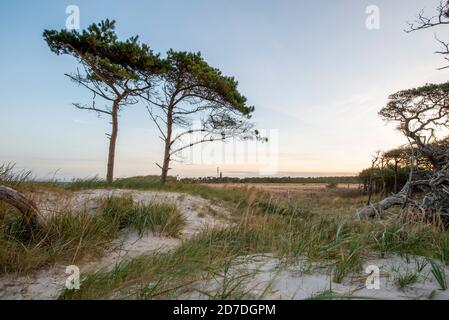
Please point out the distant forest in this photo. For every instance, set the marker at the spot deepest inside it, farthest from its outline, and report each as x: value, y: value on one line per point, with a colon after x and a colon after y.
x: 328, y: 180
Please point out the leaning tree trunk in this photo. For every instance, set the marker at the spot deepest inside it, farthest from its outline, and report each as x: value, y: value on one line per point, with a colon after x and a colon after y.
x: 112, y: 143
x: 168, y: 144
x: 19, y: 201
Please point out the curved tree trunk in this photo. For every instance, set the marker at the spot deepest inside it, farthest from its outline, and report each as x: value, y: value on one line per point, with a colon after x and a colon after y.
x: 376, y: 210
x: 19, y: 201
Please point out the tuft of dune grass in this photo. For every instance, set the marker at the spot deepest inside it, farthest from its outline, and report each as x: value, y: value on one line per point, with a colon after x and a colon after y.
x: 68, y: 237
x: 160, y: 218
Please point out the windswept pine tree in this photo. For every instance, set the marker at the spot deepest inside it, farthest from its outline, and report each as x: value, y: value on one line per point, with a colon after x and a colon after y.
x: 192, y: 90
x: 114, y: 71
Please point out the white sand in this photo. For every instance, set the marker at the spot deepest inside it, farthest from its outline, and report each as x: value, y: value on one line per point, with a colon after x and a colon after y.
x: 268, y: 279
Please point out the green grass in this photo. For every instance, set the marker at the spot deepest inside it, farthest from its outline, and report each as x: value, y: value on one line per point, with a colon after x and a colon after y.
x: 163, y: 219
x: 10, y: 176
x: 439, y: 274
x: 332, y: 295
x: 444, y: 250
x: 137, y: 183
x: 236, y: 196
x: 403, y: 281
x: 231, y: 285
x: 348, y: 261
x: 169, y: 274
x: 64, y: 238
x: 338, y: 241
x: 317, y: 226
x: 276, y: 206
x: 23, y: 180
x: 68, y: 237
x: 332, y: 185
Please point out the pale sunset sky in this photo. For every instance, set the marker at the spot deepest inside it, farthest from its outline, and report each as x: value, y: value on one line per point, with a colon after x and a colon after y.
x: 316, y: 75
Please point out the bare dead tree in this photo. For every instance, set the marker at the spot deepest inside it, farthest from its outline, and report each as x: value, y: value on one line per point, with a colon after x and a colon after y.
x: 421, y: 114
x: 424, y: 21
x: 370, y: 183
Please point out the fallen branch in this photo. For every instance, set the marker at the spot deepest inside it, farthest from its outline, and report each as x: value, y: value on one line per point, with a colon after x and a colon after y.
x: 19, y: 201
x: 373, y: 210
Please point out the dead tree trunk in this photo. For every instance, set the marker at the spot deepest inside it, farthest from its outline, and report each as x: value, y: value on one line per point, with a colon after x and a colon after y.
x: 377, y: 209
x: 370, y: 183
x: 395, y: 175
x: 436, y: 199
x: 19, y: 201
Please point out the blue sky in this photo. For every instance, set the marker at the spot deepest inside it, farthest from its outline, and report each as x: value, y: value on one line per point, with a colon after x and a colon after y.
x: 313, y: 70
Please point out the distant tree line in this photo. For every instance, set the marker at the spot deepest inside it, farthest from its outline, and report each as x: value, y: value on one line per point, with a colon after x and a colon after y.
x: 327, y: 180
x: 390, y: 170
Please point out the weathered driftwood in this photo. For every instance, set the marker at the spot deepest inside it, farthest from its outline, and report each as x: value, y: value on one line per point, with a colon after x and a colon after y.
x: 377, y: 209
x: 435, y: 199
x: 401, y: 198
x: 19, y: 201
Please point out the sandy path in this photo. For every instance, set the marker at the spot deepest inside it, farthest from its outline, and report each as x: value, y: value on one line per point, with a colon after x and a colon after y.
x: 46, y: 284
